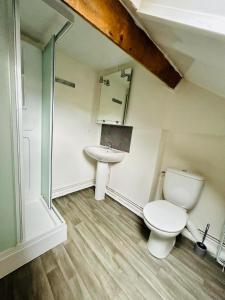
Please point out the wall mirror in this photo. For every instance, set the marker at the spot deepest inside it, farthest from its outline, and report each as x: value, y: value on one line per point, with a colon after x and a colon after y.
x: 114, y: 97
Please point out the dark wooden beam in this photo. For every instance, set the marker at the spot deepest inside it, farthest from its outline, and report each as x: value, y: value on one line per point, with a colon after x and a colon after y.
x: 113, y: 20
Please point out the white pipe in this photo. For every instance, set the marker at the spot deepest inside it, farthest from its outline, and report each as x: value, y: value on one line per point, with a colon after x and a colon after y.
x: 157, y: 193
x: 194, y: 231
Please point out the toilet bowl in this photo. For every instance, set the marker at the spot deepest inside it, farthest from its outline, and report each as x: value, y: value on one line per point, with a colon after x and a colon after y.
x: 167, y: 218
x: 166, y: 221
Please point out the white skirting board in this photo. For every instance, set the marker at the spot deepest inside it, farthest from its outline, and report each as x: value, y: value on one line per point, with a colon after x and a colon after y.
x: 65, y: 190
x: 135, y: 208
x: 16, y: 257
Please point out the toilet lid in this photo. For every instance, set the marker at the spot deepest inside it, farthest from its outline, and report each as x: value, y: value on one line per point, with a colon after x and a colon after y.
x: 165, y: 216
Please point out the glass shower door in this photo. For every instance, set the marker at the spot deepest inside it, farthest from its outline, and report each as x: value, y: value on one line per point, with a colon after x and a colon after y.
x: 48, y: 79
x: 10, y: 88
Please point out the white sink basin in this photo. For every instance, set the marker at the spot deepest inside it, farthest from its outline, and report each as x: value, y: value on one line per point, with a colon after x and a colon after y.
x: 105, y: 154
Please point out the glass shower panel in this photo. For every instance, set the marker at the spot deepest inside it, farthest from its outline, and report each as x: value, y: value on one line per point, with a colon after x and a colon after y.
x: 48, y: 78
x: 8, y: 230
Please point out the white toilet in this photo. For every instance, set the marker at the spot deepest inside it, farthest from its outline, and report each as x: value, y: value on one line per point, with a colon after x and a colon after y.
x: 167, y: 218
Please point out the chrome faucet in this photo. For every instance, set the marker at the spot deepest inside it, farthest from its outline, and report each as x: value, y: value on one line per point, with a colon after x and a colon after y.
x: 109, y: 145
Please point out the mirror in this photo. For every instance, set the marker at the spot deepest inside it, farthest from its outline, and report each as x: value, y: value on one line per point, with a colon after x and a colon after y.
x: 114, y: 97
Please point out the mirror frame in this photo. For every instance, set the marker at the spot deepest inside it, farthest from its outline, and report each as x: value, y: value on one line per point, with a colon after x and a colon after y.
x: 109, y: 72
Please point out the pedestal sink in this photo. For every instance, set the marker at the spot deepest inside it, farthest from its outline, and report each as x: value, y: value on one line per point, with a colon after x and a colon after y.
x: 104, y: 156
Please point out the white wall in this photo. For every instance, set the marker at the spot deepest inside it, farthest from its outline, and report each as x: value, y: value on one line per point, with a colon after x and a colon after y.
x: 182, y: 128
x: 196, y: 141
x: 133, y: 177
x: 74, y: 124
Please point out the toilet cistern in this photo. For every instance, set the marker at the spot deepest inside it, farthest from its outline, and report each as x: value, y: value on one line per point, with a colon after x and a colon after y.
x: 103, y: 155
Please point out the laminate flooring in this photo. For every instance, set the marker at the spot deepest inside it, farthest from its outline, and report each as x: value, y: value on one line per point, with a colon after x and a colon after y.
x: 105, y: 257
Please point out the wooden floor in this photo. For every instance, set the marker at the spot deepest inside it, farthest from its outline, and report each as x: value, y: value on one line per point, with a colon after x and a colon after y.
x: 105, y: 257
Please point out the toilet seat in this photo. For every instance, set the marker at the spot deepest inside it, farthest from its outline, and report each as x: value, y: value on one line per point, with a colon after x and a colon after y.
x: 165, y: 216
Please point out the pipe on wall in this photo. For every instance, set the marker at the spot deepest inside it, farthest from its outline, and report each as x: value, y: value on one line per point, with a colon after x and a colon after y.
x: 193, y: 230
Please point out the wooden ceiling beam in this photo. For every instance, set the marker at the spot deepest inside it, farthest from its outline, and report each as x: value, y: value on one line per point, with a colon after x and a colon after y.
x: 112, y: 19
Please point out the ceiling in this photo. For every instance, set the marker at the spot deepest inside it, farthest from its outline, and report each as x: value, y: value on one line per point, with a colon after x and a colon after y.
x: 37, y: 20
x: 82, y: 42
x: 191, y: 34
x: 89, y: 46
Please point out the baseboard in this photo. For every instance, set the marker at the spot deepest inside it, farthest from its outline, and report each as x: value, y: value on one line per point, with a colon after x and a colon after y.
x: 13, y: 258
x: 135, y: 208
x: 65, y: 190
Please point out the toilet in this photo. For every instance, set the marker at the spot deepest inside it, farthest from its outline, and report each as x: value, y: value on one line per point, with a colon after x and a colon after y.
x: 167, y: 218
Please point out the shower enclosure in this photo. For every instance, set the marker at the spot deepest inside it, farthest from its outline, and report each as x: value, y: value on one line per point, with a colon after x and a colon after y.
x: 10, y: 197
x: 48, y: 84
x: 48, y: 79
x: 30, y: 224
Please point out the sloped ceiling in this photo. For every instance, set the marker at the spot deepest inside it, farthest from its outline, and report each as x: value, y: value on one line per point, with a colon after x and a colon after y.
x: 38, y: 20
x: 87, y: 45
x: 191, y: 33
x: 82, y: 42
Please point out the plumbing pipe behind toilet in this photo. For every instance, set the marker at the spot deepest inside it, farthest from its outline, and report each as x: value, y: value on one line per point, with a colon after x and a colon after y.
x: 193, y: 230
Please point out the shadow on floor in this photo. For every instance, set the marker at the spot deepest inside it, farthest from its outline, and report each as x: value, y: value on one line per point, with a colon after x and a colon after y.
x: 143, y: 229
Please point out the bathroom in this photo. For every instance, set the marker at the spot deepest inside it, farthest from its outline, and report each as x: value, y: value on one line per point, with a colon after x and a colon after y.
x: 160, y: 128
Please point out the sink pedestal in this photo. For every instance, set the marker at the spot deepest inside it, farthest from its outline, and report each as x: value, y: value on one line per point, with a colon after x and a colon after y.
x: 102, y: 178
x: 104, y: 156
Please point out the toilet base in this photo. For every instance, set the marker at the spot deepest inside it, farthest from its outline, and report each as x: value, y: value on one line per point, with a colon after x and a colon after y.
x: 160, y: 247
